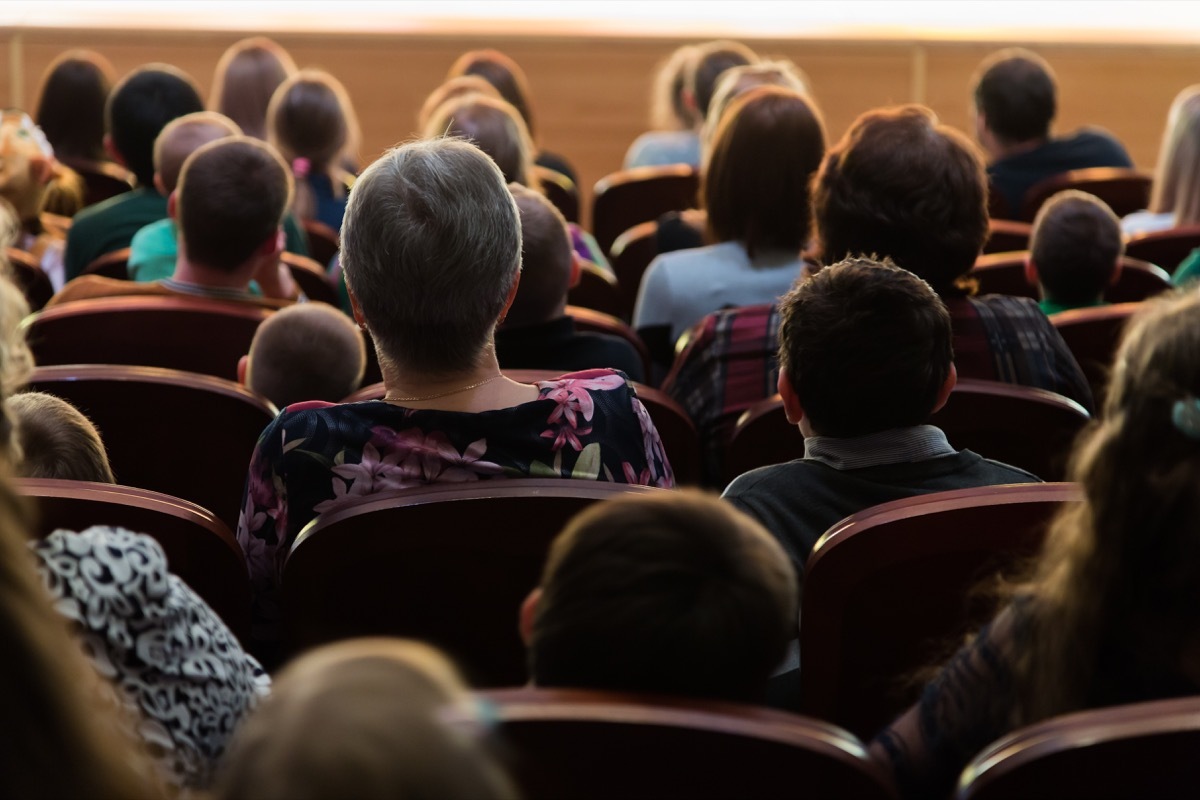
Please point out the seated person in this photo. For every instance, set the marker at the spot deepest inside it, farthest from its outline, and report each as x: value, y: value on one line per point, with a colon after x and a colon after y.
x: 431, y: 249
x: 56, y: 440
x: 1175, y: 196
x: 229, y: 206
x: 865, y: 359
x: 537, y: 334
x: 395, y: 719
x: 672, y: 116
x: 154, y: 248
x: 309, y: 351
x: 674, y: 594
x: 27, y: 170
x: 1015, y: 103
x: 1074, y: 251
x: 138, y: 109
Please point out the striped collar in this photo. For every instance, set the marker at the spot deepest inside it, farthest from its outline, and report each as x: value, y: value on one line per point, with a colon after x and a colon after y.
x: 895, y: 446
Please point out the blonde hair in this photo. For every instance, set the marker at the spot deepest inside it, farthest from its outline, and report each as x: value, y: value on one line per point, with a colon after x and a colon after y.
x: 57, y: 440
x: 246, y: 77
x: 495, y: 127
x: 669, y: 110
x: 1177, y: 177
x: 738, y: 80
x: 182, y: 137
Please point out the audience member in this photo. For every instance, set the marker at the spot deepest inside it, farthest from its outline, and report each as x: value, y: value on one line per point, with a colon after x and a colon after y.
x: 309, y: 351
x: 312, y: 124
x: 1110, y: 613
x: 758, y: 218
x: 452, y: 90
x: 1074, y: 251
x: 537, y: 334
x: 137, y: 110
x: 1175, y: 199
x: 395, y: 721
x: 674, y: 594
x: 1015, y: 104
x: 71, y: 102
x: 431, y: 248
x: 56, y: 440
x: 247, y: 76
x: 27, y: 167
x: 229, y: 206
x: 673, y: 119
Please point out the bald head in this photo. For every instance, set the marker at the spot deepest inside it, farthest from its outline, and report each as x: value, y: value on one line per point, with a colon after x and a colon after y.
x: 309, y: 351
x: 184, y: 136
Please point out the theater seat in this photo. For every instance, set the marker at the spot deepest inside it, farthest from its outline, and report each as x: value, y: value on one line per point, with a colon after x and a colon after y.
x: 200, y: 549
x: 599, y: 745
x: 560, y: 190
x: 623, y: 199
x: 449, y: 564
x: 1093, y: 335
x: 631, y: 255
x: 1006, y: 236
x: 323, y: 241
x: 1166, y: 248
x: 587, y: 319
x: 1124, y: 190
x: 597, y: 289
x: 893, y: 589
x: 30, y: 278
x: 1004, y: 273
x: 310, y: 276
x: 111, y: 265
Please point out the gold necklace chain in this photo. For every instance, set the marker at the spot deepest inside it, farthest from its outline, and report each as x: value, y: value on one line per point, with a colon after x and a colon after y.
x: 391, y: 399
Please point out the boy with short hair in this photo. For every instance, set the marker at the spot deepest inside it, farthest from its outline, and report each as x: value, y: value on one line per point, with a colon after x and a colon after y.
x: 1074, y: 251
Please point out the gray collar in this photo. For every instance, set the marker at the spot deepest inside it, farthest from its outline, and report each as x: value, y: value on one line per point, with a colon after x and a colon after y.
x: 895, y: 446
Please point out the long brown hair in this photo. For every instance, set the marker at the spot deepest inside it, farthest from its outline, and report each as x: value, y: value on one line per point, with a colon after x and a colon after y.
x: 502, y: 72
x: 70, y: 104
x: 247, y: 75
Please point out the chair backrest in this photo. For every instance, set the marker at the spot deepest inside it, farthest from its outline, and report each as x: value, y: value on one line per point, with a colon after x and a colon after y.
x: 323, y: 241
x: 997, y: 205
x: 1093, y: 335
x: 590, y: 744
x: 111, y: 265
x: 30, y: 278
x: 449, y: 564
x: 1028, y: 428
x: 1006, y: 235
x: 199, y: 547
x: 631, y: 255
x: 587, y: 319
x: 1124, y: 190
x: 182, y: 434
x: 598, y: 290
x: 1166, y: 248
x: 101, y: 179
x: 1136, y: 750
x: 623, y: 199
x: 889, y: 590
x: 310, y: 276
x: 561, y: 191
x: 193, y: 334
x: 1004, y: 273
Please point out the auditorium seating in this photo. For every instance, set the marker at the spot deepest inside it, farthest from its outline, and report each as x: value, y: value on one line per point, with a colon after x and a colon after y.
x: 323, y: 241
x: 29, y: 276
x: 1092, y: 335
x: 560, y: 191
x: 1124, y: 190
x: 1004, y: 273
x: 587, y: 319
x: 631, y: 255
x: 179, y: 433
x: 1166, y: 248
x: 110, y: 265
x: 889, y: 591
x: 597, y: 289
x: 1006, y: 236
x: 199, y: 547
x: 590, y: 744
x: 1137, y: 750
x: 310, y: 276
x: 623, y: 199
x: 101, y: 179
x: 449, y: 564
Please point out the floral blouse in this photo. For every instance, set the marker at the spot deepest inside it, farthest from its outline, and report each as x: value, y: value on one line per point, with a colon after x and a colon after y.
x: 316, y: 457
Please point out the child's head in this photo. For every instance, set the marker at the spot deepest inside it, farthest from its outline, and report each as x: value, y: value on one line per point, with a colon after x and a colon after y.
x: 372, y: 718
x: 309, y: 351
x: 247, y: 75
x: 501, y: 72
x: 26, y: 164
x: 739, y: 80
x: 56, y: 440
x: 181, y: 138
x: 70, y: 106
x: 451, y: 90
x: 547, y: 260
x: 1075, y: 248
x: 139, y: 108
x: 678, y: 593
x: 864, y: 346
x: 310, y: 118
x: 495, y: 127
x: 711, y: 60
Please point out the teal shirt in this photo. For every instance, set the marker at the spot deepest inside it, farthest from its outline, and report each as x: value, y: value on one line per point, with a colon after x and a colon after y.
x: 1189, y: 270
x: 154, y: 248
x: 110, y: 226
x: 1049, y: 307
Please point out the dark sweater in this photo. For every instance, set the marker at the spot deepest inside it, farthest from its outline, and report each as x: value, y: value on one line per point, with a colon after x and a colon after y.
x: 556, y: 345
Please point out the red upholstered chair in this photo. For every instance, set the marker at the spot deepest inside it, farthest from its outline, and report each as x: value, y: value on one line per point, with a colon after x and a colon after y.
x: 587, y: 319
x: 1004, y: 273
x: 1005, y: 236
x: 182, y: 434
x: 598, y: 290
x: 590, y: 744
x: 310, y: 276
x: 101, y: 179
x: 631, y: 255
x: 193, y: 334
x: 111, y: 265
x: 323, y: 241
x: 1136, y: 750
x: 1092, y: 335
x: 888, y: 591
x: 200, y: 549
x: 623, y: 199
x: 1166, y: 248
x: 998, y: 206
x: 30, y: 278
x: 1124, y: 190
x: 449, y: 564
x: 561, y: 191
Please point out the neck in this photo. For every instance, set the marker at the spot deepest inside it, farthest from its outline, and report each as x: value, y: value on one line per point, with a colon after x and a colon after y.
x: 403, y: 381
x: 1002, y: 149
x: 188, y: 271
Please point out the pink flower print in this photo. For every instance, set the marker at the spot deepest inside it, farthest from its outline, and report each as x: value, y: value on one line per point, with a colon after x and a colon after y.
x: 653, y: 446
x: 374, y: 473
x: 432, y: 458
x: 249, y: 520
x: 633, y: 478
x: 573, y: 407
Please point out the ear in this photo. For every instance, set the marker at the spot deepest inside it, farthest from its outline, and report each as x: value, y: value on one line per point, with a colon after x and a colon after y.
x: 576, y: 270
x: 272, y: 246
x: 791, y: 402
x: 172, y: 203
x: 111, y: 149
x: 159, y: 185
x: 1031, y: 272
x: 689, y: 100
x: 356, y: 309
x: 528, y: 614
x: 243, y: 370
x: 1116, y: 275
x: 508, y: 301
x: 947, y: 387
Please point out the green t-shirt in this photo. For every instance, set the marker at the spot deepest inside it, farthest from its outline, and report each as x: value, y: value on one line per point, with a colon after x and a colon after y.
x: 109, y: 226
x: 1049, y: 307
x: 154, y: 248
x: 1188, y: 270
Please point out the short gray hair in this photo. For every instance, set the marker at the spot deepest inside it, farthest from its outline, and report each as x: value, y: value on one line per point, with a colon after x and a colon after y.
x: 431, y: 247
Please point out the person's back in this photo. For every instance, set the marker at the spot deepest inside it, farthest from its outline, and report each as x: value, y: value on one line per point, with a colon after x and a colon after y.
x: 309, y: 351
x: 1074, y: 251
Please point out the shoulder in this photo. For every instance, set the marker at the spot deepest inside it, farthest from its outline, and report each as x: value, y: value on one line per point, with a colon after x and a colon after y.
x: 86, y: 287
x: 768, y: 481
x: 1002, y: 473
x: 154, y: 233
x: 1010, y: 307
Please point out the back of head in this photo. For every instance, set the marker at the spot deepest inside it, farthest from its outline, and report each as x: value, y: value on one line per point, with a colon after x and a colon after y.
x: 738, y: 80
x: 70, y: 105
x: 310, y: 117
x: 247, y: 75
x: 860, y: 331
x: 668, y: 107
x: 431, y: 247
x: 501, y: 72
x: 309, y: 351
x: 678, y: 593
x: 394, y: 722
x: 711, y: 61
x: 57, y: 441
x: 763, y: 202
x: 492, y: 125
x: 184, y: 136
x: 1177, y: 178
x: 1015, y: 92
x: 901, y: 185
x: 451, y: 90
x: 231, y: 199
x: 546, y: 257
x: 139, y: 108
x: 1075, y: 244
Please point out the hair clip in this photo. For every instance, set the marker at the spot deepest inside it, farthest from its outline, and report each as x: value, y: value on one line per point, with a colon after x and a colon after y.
x: 1185, y: 416
x: 300, y: 167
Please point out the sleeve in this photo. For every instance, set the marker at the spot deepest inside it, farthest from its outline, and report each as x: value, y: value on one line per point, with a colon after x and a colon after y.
x: 78, y: 253
x: 1067, y: 376
x: 262, y: 526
